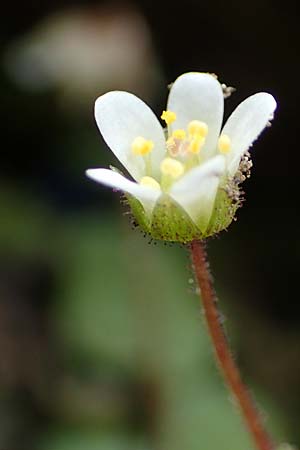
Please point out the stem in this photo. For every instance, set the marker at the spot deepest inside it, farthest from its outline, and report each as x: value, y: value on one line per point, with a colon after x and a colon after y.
x: 224, y: 357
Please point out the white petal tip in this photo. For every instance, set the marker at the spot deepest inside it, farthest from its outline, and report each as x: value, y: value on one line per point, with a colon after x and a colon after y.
x: 269, y: 100
x: 105, y: 97
x: 104, y: 176
x: 92, y: 174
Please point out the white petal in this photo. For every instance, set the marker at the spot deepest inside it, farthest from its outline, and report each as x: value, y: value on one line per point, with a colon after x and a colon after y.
x: 146, y: 195
x: 198, y: 96
x: 121, y: 117
x: 196, y: 191
x: 245, y: 124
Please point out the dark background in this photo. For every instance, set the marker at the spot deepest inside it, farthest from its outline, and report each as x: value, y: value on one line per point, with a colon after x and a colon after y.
x: 102, y: 345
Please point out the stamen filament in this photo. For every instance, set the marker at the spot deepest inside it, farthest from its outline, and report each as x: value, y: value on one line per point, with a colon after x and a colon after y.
x: 148, y: 164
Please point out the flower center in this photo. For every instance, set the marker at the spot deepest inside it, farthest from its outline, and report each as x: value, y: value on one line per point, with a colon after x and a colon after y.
x: 183, y: 151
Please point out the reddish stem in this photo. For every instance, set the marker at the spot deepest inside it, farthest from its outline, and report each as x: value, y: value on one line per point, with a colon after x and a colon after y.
x: 224, y: 357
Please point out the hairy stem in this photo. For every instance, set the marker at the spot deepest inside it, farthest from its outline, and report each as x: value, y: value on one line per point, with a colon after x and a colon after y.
x: 223, y: 354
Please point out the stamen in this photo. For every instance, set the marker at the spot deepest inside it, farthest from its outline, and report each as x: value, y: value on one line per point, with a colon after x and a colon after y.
x: 196, y: 144
x: 197, y: 128
x: 150, y: 182
x: 168, y: 116
x: 140, y: 146
x: 179, y: 134
x: 224, y: 144
x: 171, y: 167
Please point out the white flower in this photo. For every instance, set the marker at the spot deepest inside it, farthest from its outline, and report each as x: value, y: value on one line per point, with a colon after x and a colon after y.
x: 180, y: 171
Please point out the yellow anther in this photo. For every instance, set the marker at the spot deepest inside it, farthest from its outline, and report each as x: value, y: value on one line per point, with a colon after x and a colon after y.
x: 179, y: 134
x: 196, y: 144
x: 168, y: 116
x: 140, y: 146
x: 171, y: 167
x: 224, y: 143
x: 197, y: 128
x: 150, y: 182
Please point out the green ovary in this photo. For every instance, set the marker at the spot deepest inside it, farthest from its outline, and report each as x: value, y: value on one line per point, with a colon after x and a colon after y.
x: 170, y: 222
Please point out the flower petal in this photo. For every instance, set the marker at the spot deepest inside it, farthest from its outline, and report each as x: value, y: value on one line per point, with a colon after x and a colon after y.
x: 121, y: 117
x: 146, y: 195
x: 196, y: 191
x: 198, y: 96
x: 245, y: 124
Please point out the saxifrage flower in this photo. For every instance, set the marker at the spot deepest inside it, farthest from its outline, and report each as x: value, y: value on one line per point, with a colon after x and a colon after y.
x: 186, y: 177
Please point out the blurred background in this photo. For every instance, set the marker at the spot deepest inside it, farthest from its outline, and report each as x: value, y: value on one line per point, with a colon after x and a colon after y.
x: 102, y: 341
